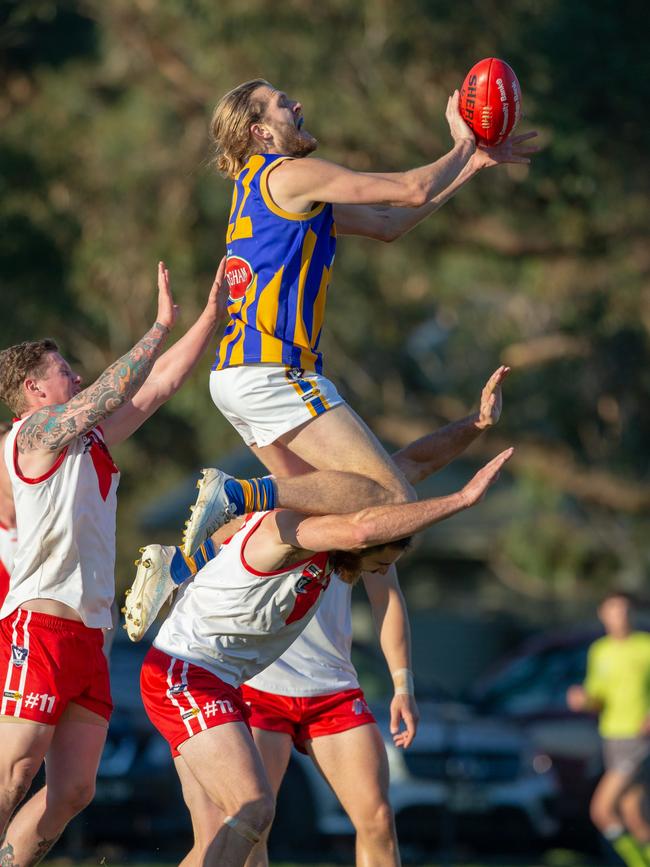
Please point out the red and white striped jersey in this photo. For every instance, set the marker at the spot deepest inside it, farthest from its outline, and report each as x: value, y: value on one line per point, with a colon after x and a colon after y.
x: 66, y: 529
x: 233, y: 620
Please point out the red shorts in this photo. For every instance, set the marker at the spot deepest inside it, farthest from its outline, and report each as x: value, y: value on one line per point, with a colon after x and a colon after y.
x: 49, y: 662
x: 182, y: 699
x: 308, y: 717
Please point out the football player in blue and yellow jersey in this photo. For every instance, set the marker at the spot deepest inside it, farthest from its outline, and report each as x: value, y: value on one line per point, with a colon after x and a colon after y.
x: 286, y: 211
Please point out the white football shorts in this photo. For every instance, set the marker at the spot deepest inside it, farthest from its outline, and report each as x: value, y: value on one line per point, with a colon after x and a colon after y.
x: 264, y: 401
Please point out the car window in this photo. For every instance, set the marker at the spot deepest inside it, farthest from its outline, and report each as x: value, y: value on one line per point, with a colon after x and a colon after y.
x: 536, y: 683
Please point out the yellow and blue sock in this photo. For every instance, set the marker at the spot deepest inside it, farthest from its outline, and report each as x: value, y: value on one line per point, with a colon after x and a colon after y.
x: 251, y: 495
x: 181, y: 568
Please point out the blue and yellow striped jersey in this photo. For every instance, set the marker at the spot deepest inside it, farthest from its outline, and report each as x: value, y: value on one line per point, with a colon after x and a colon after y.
x: 278, y: 270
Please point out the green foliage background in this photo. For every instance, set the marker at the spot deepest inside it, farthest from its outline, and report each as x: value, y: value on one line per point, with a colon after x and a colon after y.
x: 104, y: 169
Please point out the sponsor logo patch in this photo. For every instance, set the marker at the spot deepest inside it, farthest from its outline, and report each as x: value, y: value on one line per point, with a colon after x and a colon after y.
x: 239, y: 275
x: 15, y: 696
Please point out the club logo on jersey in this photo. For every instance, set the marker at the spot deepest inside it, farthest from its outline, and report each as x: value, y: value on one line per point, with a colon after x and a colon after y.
x: 359, y: 706
x: 239, y: 275
x: 19, y: 655
x: 310, y: 574
x: 295, y: 374
x: 177, y: 689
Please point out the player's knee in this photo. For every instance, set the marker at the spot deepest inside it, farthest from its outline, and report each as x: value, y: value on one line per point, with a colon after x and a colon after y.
x: 258, y: 813
x: 602, y: 818
x: 403, y: 493
x: 76, y: 795
x: 16, y: 778
x: 378, y: 821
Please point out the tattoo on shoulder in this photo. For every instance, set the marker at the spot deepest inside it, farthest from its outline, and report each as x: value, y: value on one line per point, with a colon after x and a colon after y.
x: 53, y: 427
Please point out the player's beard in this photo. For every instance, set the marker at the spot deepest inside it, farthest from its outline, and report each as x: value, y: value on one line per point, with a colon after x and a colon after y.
x: 346, y: 565
x: 297, y: 142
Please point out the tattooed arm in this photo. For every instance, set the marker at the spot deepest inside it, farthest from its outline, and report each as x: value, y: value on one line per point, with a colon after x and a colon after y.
x: 173, y: 368
x: 48, y: 429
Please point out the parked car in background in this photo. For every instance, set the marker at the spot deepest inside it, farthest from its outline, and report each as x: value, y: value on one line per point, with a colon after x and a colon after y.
x: 529, y: 687
x: 464, y: 779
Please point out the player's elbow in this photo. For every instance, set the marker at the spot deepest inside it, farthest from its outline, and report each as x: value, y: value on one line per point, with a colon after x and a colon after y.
x: 414, y: 193
x: 387, y: 234
x: 362, y: 532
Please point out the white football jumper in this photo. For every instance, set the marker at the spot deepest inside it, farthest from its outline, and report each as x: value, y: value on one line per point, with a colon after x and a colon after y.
x: 66, y: 530
x: 233, y: 620
x: 8, y: 542
x: 319, y: 660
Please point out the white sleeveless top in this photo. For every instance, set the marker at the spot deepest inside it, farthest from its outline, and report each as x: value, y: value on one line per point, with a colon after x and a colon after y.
x: 66, y: 530
x: 233, y: 620
x: 318, y: 662
x: 8, y: 542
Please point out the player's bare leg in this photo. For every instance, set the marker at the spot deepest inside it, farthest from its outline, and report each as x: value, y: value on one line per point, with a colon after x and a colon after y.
x: 71, y: 766
x: 227, y: 766
x: 275, y: 750
x: 351, y: 471
x: 633, y: 811
x: 353, y: 468
x: 355, y: 765
x: 607, y: 817
x: 603, y: 810
x: 206, y: 816
x: 24, y: 744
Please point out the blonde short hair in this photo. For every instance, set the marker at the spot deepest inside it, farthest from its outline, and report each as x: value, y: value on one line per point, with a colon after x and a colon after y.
x: 230, y: 127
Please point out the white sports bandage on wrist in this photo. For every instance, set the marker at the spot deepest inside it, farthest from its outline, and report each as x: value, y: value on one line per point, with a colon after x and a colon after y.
x: 403, y: 681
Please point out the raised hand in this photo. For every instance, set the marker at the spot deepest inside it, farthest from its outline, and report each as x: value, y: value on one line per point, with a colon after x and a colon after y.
x: 167, y: 310
x: 476, y: 488
x: 218, y: 297
x: 491, y: 399
x: 513, y: 151
x: 459, y: 130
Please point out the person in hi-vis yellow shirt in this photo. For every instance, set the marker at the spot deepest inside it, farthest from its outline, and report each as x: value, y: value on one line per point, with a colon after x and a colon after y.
x: 617, y: 686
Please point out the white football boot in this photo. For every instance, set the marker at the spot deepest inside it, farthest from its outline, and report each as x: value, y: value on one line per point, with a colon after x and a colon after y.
x: 210, y: 511
x: 152, y: 587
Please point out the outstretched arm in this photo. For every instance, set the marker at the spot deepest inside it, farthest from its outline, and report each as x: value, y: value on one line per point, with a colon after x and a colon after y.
x: 48, y: 430
x: 430, y: 453
x: 381, y: 525
x: 296, y: 184
x: 391, y: 620
x: 387, y: 223
x: 172, y: 369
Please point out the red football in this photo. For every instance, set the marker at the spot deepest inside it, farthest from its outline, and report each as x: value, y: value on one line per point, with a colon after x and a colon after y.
x: 490, y: 100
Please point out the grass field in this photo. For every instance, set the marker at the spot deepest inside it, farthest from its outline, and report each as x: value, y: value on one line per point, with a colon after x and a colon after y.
x: 553, y: 859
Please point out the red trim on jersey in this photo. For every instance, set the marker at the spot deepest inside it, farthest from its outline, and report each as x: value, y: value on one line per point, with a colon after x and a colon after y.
x: 250, y: 569
x: 245, y: 522
x: 55, y: 466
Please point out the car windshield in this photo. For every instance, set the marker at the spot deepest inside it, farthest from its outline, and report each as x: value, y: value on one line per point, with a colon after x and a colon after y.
x: 536, y: 683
